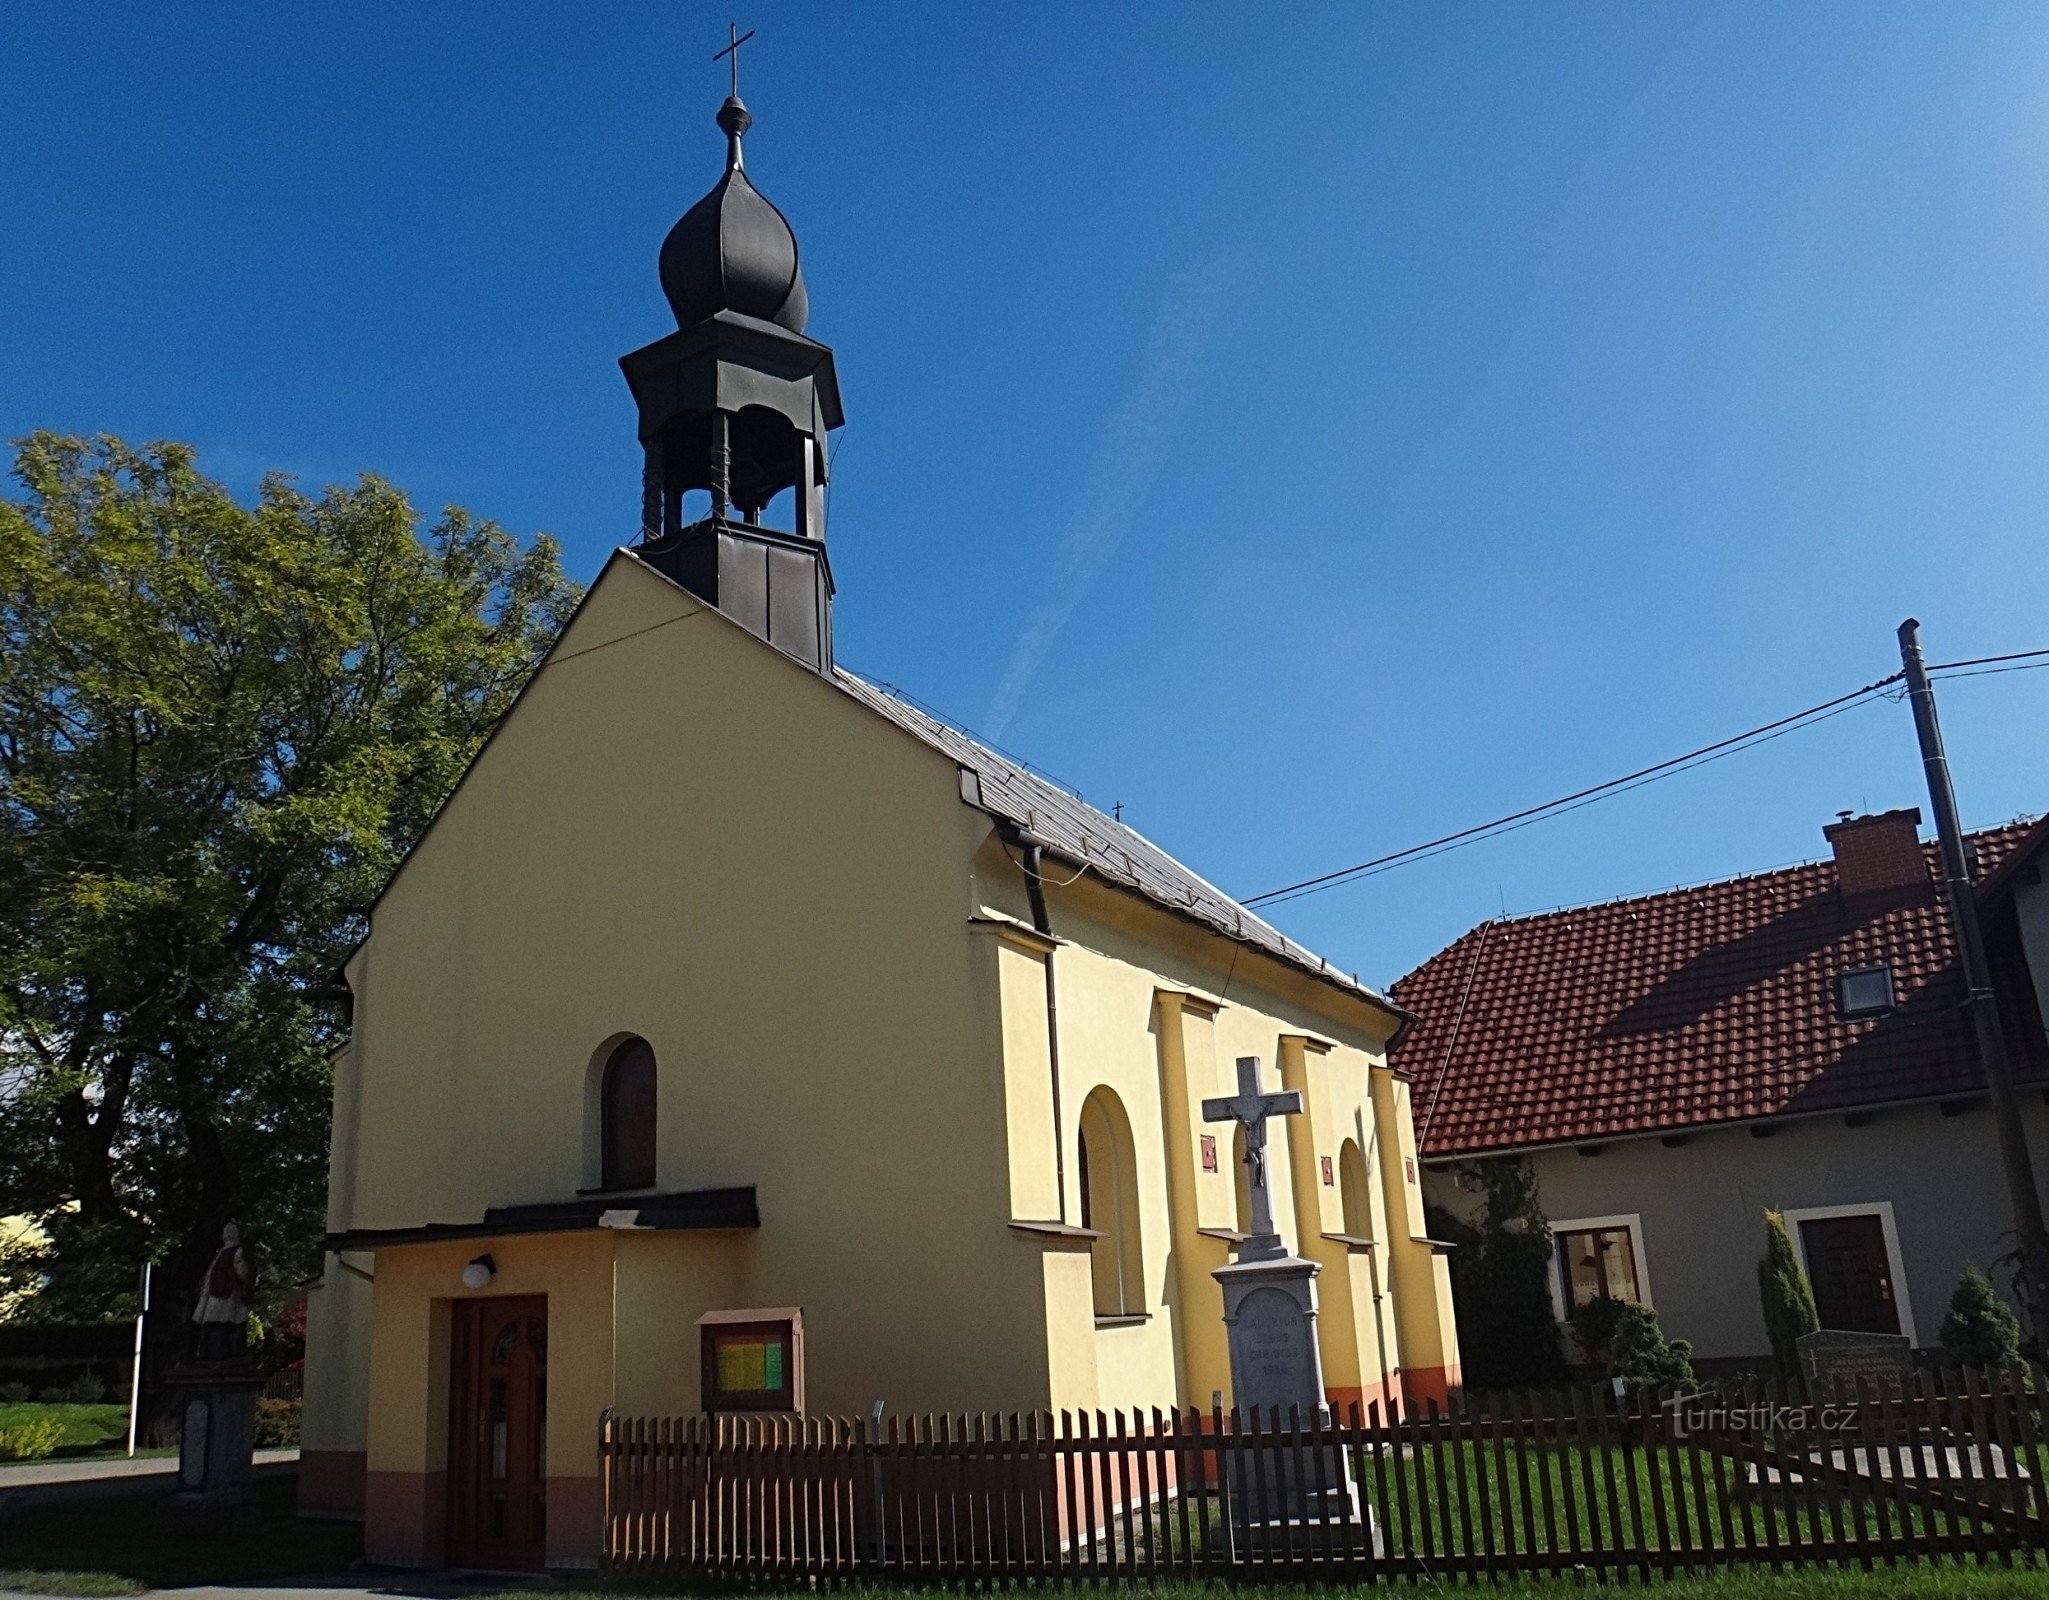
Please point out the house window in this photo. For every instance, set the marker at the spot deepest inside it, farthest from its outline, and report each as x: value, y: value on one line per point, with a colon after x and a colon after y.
x: 1109, y: 1205
x: 1867, y: 992
x: 626, y: 1116
x: 1597, y: 1264
x: 752, y: 1361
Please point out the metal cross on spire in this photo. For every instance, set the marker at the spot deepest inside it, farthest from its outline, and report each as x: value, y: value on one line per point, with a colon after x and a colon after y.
x: 1249, y: 1109
x: 735, y: 38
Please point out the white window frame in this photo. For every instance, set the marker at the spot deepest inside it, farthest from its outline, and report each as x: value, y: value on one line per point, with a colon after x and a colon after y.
x: 1882, y: 1209
x: 1633, y: 1221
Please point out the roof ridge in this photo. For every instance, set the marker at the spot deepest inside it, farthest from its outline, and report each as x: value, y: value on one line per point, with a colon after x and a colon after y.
x: 1119, y: 853
x: 1644, y: 897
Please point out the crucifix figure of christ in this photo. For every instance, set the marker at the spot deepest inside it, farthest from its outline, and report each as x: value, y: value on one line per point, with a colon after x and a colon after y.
x: 1249, y: 1108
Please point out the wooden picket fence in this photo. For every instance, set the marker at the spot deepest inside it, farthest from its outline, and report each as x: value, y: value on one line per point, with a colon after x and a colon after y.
x: 1950, y: 1466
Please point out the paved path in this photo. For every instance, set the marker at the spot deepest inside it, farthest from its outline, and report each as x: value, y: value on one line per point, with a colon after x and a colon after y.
x: 18, y: 1475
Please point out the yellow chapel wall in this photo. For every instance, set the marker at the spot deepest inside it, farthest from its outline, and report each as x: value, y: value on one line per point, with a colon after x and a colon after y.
x: 1158, y: 1011
x: 335, y: 1418
x: 681, y: 834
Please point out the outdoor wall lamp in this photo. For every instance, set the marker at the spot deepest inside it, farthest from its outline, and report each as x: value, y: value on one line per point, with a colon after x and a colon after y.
x: 478, y: 1272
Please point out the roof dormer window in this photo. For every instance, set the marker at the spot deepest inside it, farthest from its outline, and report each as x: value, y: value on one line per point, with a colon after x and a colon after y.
x: 1866, y: 992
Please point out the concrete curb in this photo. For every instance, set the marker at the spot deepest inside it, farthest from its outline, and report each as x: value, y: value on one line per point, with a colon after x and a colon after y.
x: 54, y: 1483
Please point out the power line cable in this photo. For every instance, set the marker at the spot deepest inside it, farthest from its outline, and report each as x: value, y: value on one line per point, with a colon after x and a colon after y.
x: 2014, y: 661
x: 1757, y: 735
x: 1986, y: 661
x: 1986, y: 672
x: 1424, y: 852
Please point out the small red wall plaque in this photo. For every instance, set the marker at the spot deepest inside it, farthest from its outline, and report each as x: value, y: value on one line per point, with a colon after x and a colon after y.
x: 1209, y: 1152
x: 1328, y: 1177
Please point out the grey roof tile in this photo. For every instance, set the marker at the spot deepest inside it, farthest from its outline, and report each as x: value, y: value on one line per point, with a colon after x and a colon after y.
x: 1074, y: 828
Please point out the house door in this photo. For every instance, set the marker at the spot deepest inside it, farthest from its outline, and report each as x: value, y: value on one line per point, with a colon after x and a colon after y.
x: 498, y: 1433
x: 1851, y: 1274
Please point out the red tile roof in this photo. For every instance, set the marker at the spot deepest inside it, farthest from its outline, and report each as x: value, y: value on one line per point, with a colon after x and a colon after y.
x: 1697, y: 1006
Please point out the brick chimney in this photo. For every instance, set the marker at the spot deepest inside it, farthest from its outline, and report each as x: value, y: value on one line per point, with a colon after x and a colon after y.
x: 1879, y: 854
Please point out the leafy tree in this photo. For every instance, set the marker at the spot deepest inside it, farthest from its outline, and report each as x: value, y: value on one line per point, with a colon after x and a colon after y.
x: 1980, y: 1329
x: 1787, y: 1296
x: 1501, y: 1281
x: 220, y: 727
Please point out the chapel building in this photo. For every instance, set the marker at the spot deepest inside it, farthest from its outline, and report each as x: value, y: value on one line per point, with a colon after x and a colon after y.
x: 741, y: 1037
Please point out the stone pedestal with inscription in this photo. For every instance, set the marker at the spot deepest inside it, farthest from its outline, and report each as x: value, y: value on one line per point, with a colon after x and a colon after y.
x: 1281, y: 1498
x: 216, y: 1434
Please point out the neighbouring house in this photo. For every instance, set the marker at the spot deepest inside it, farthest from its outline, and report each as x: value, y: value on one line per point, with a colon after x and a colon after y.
x: 742, y: 1038
x: 1673, y: 1065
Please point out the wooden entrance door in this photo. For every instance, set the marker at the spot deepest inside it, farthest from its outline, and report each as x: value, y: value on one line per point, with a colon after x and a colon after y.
x: 1851, y: 1273
x: 498, y: 1433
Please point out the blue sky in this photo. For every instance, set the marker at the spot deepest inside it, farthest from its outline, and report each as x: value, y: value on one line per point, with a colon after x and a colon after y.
x: 1317, y: 428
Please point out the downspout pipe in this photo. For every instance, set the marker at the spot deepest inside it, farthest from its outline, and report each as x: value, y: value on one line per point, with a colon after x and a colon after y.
x: 1031, y: 858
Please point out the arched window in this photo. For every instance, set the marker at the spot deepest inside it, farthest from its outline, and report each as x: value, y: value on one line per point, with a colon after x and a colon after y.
x: 1109, y: 1205
x: 626, y: 1117
x: 1352, y: 1192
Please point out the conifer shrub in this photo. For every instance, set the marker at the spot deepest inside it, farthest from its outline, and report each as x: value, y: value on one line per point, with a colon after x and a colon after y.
x: 1641, y: 1355
x: 1980, y: 1329
x: 1786, y: 1295
x: 87, y: 1389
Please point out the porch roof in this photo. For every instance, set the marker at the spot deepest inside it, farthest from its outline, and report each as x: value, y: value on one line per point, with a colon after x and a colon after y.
x: 688, y: 1209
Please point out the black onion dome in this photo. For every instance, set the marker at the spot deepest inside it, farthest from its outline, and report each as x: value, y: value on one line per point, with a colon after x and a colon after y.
x: 733, y: 251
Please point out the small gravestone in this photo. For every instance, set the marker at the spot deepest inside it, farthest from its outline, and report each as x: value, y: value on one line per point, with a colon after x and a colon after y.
x: 1276, y: 1363
x: 1838, y: 1363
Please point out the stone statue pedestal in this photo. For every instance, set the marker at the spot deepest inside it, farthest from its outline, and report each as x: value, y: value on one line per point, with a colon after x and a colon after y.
x: 1282, y: 1498
x: 216, y: 1408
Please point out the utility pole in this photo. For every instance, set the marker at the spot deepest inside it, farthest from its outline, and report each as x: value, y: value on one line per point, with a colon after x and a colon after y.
x: 2031, y: 1236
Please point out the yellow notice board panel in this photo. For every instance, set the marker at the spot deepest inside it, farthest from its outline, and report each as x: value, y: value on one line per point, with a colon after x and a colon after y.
x: 750, y: 1364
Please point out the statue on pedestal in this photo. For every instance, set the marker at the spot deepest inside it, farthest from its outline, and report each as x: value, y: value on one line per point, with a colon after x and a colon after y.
x: 220, y: 1317
x: 216, y: 1390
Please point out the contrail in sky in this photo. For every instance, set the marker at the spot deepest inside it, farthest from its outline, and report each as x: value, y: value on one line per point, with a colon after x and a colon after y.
x: 1128, y: 463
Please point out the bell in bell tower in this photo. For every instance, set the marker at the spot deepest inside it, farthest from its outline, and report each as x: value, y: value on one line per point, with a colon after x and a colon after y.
x: 738, y: 403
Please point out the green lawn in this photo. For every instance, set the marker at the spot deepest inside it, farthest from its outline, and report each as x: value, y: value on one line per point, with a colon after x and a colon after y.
x: 88, y: 1430
x: 123, y: 1547
x: 1457, y: 1497
x: 1601, y: 1508
x: 1909, y: 1583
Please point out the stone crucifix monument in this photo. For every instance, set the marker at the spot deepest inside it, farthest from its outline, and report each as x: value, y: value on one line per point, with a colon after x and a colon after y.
x: 1276, y: 1362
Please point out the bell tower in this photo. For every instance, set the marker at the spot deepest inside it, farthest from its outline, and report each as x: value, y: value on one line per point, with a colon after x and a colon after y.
x: 738, y: 402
